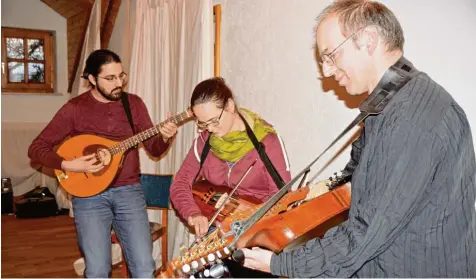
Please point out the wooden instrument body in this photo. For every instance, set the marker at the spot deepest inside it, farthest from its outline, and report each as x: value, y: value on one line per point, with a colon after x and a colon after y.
x: 209, y: 197
x: 282, y: 228
x: 291, y: 229
x: 82, y: 184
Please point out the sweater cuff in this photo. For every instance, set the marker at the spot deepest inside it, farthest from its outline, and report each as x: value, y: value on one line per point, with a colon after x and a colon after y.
x: 56, y: 162
x: 281, y: 264
x: 191, y: 211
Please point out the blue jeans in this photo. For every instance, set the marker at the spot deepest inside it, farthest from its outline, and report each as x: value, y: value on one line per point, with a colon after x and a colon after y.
x: 124, y: 209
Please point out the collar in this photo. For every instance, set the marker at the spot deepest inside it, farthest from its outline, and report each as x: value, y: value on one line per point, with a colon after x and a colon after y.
x: 392, y: 81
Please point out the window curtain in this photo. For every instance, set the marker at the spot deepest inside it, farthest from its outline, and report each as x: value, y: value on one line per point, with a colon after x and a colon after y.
x: 92, y: 42
x: 172, y: 51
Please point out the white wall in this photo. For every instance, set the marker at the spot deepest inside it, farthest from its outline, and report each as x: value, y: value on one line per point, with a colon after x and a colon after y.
x: 268, y: 59
x: 26, y: 107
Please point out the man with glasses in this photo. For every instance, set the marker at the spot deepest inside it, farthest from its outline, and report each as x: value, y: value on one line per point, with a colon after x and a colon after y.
x: 100, y: 111
x: 413, y: 167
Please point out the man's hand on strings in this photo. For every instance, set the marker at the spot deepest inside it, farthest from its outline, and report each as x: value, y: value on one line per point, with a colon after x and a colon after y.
x: 168, y: 130
x: 87, y: 163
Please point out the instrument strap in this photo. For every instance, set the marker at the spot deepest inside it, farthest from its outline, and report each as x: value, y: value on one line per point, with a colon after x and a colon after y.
x: 205, y: 151
x: 278, y: 180
x: 127, y: 109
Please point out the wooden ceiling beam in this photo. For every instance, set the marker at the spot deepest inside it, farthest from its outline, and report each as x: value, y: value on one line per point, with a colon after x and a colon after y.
x: 75, y: 48
x: 69, y: 8
x: 107, y: 25
x: 56, y: 5
x: 77, y: 13
x: 85, y: 4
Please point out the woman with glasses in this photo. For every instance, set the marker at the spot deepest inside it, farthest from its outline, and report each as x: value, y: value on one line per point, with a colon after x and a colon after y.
x: 220, y: 121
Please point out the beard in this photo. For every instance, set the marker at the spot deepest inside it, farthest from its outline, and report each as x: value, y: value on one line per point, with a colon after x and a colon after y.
x: 114, y: 95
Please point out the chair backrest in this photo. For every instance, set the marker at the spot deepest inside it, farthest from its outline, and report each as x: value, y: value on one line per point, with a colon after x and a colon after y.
x: 156, y: 189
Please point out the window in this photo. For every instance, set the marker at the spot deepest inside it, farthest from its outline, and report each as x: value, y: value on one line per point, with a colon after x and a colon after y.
x: 27, y: 61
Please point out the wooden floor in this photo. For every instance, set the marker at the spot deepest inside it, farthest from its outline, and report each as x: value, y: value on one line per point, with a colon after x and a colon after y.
x: 40, y: 247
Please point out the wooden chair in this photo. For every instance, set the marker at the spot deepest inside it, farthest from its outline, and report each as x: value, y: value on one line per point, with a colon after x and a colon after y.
x: 157, y: 195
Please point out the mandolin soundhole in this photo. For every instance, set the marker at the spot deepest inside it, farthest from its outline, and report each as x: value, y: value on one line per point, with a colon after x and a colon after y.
x: 102, y: 155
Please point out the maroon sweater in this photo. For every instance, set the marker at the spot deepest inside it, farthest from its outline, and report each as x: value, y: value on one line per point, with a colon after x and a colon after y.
x: 86, y: 115
x: 258, y: 183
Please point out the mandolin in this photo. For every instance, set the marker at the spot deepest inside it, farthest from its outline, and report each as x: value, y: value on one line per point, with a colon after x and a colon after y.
x: 108, y: 152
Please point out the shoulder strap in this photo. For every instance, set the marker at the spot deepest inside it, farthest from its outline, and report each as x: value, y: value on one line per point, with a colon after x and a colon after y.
x: 394, y: 79
x: 204, y: 155
x: 278, y: 180
x: 127, y: 109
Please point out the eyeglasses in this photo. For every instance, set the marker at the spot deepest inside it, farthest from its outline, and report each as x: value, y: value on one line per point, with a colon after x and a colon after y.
x: 112, y: 78
x: 210, y: 123
x: 328, y: 58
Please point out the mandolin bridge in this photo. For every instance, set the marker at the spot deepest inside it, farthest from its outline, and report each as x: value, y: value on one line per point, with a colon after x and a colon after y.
x: 62, y: 176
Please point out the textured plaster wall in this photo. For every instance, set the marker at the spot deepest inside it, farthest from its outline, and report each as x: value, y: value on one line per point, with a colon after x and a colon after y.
x: 269, y: 61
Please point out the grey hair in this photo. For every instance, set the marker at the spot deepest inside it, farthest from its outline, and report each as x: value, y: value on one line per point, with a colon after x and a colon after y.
x: 357, y: 14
